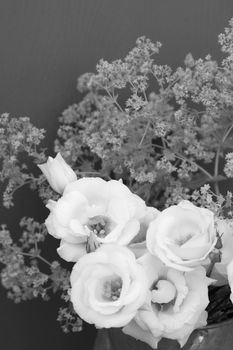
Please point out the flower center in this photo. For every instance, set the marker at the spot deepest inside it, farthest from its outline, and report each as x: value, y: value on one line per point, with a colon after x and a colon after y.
x: 182, y: 239
x: 99, y: 225
x: 163, y: 293
x: 112, y: 289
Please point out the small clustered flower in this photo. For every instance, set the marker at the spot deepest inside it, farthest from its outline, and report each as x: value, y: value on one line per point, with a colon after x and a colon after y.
x: 166, y: 134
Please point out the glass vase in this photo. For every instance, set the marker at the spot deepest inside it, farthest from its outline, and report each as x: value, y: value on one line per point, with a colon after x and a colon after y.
x: 214, y: 337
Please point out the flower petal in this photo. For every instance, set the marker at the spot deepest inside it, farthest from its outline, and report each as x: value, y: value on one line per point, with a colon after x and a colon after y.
x: 138, y: 333
x: 71, y: 252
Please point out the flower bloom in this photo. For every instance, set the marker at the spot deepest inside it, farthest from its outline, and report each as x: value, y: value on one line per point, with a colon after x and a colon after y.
x: 91, y: 206
x: 175, y: 304
x: 138, y: 243
x: 225, y: 232
x: 182, y: 235
x: 230, y: 278
x: 108, y: 286
x: 58, y: 173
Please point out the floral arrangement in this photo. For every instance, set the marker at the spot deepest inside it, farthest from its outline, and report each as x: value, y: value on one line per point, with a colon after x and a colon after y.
x: 137, y: 200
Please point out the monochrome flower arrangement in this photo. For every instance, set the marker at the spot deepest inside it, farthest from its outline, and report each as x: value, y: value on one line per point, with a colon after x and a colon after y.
x: 138, y: 197
x: 159, y: 290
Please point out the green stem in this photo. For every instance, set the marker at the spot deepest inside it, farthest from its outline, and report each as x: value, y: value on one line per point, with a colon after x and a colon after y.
x: 145, y: 132
x: 36, y: 257
x: 114, y: 100
x: 181, y: 157
x: 216, y: 164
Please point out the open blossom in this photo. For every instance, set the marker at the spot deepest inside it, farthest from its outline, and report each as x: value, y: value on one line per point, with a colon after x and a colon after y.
x: 138, y: 243
x: 58, y: 173
x: 92, y: 206
x: 175, y: 303
x: 182, y: 235
x: 230, y: 278
x: 223, y: 270
x: 225, y: 232
x: 108, y: 286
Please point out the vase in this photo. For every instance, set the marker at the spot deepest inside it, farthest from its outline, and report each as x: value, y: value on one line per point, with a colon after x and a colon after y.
x: 214, y: 337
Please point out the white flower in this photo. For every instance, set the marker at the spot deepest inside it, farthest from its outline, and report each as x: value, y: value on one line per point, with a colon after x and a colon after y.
x: 175, y: 303
x: 225, y: 231
x: 182, y: 235
x: 107, y: 209
x: 58, y: 173
x: 230, y: 278
x: 223, y: 271
x: 108, y: 286
x: 138, y: 244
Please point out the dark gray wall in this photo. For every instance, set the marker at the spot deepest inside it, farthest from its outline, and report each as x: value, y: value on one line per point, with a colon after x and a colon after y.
x: 44, y: 46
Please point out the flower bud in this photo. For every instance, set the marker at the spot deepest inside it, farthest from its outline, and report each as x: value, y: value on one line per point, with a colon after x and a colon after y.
x: 215, y: 256
x: 58, y: 173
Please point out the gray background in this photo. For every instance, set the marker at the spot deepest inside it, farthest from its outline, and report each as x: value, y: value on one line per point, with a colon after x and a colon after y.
x: 44, y: 47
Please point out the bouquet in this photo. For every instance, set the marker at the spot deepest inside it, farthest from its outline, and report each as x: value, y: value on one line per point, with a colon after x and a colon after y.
x: 138, y: 196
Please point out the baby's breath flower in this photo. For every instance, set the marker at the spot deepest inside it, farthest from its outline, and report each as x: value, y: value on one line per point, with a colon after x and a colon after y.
x: 163, y: 131
x: 228, y: 169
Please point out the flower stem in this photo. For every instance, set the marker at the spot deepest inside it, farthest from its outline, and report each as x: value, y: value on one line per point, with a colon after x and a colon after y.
x: 145, y: 132
x: 114, y: 100
x: 216, y: 165
x: 36, y: 257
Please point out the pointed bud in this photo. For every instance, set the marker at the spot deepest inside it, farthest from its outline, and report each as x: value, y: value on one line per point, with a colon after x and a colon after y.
x: 58, y: 173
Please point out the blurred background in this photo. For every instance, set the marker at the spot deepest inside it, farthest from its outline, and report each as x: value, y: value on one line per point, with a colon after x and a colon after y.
x: 44, y: 47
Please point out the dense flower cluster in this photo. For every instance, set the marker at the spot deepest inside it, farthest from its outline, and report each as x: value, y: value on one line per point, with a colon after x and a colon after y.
x: 139, y: 201
x: 162, y: 128
x: 136, y: 267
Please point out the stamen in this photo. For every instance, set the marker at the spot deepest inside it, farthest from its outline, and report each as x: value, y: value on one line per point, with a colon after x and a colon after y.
x: 112, y: 289
x: 163, y: 293
x: 99, y: 225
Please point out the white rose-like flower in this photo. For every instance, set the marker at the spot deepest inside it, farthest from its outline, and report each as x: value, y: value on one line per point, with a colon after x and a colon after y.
x: 175, y: 304
x: 108, y: 286
x: 92, y: 206
x: 58, y: 173
x: 138, y: 244
x: 225, y: 232
x: 230, y: 278
x: 182, y: 235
